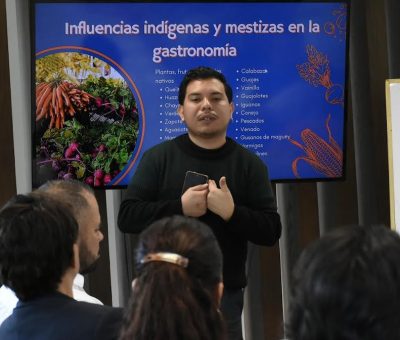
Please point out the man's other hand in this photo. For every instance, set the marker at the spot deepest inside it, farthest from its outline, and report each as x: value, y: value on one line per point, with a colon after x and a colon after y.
x: 220, y: 200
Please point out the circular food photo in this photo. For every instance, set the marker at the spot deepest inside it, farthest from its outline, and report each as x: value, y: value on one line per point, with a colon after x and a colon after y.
x: 86, y: 120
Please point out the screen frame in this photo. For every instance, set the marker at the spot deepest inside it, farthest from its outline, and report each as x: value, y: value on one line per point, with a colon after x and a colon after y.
x: 285, y: 180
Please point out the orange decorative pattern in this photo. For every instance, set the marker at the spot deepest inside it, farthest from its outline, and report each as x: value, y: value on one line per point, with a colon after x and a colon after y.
x: 325, y: 157
x: 338, y: 27
x: 316, y: 71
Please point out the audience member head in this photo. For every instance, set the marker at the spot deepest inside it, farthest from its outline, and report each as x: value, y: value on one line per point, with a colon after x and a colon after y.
x: 37, y: 245
x: 201, y: 73
x: 80, y: 197
x: 347, y: 287
x: 178, y: 286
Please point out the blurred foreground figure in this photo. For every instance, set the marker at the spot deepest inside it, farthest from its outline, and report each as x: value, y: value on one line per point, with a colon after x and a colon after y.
x: 39, y: 259
x: 82, y: 202
x: 178, y: 288
x: 347, y: 287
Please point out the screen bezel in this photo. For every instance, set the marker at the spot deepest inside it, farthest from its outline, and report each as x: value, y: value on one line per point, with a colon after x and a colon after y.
x: 283, y: 180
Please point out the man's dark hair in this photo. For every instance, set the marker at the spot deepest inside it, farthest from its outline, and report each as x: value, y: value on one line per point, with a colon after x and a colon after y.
x: 201, y: 73
x: 347, y: 287
x: 36, y: 244
x: 169, y: 301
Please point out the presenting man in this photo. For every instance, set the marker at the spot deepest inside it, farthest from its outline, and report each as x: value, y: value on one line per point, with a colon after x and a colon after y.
x: 236, y: 202
x: 81, y: 200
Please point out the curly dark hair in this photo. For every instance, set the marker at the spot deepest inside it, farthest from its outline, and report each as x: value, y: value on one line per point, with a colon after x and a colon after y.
x: 170, y: 302
x: 200, y: 73
x: 347, y: 287
x: 36, y: 244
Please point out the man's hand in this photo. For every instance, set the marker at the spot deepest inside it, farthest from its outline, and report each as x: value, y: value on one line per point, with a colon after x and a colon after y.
x: 220, y: 201
x: 194, y: 201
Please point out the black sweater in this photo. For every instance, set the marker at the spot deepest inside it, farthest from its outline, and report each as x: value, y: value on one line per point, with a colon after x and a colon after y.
x: 155, y: 192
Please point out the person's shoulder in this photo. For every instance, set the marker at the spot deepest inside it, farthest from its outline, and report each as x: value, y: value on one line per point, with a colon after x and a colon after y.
x: 161, y: 147
x: 5, y: 324
x: 79, y: 308
x: 5, y: 332
x: 105, y: 321
x: 90, y: 321
x: 96, y: 308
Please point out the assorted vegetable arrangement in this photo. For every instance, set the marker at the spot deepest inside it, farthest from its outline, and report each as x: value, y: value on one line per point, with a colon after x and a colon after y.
x: 112, y: 98
x: 94, y: 155
x: 87, y: 128
x: 56, y: 100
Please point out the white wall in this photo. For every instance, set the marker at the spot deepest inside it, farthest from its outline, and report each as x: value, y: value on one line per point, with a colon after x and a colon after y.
x: 393, y: 128
x: 19, y: 51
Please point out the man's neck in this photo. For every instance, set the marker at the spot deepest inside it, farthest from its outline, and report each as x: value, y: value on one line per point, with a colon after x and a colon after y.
x: 67, y: 281
x: 208, y: 143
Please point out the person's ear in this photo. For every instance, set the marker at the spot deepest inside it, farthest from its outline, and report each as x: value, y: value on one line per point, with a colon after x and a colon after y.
x: 232, y: 105
x: 133, y: 284
x: 219, y: 291
x: 180, y: 112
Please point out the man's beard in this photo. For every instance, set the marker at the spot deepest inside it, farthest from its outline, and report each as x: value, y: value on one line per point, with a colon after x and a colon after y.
x: 87, y: 262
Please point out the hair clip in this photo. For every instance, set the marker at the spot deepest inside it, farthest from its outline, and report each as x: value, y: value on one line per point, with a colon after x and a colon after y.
x: 166, y: 257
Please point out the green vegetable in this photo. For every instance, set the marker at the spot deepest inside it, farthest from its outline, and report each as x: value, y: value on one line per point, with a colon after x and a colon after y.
x: 101, y: 146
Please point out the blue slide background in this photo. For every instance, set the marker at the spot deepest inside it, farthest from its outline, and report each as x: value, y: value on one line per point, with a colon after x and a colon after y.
x: 293, y: 104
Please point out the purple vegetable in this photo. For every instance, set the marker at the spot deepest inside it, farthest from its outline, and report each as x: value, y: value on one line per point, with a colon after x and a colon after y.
x: 107, y: 179
x: 89, y: 180
x: 98, y: 182
x: 98, y: 102
x: 102, y: 148
x: 99, y: 174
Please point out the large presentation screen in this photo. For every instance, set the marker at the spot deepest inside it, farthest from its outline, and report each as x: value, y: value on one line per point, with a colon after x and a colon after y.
x: 106, y: 78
